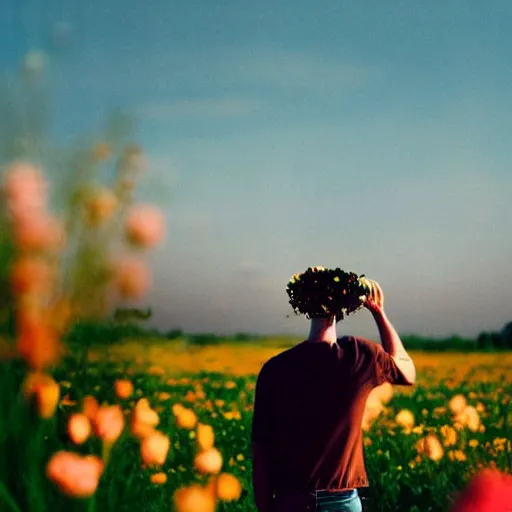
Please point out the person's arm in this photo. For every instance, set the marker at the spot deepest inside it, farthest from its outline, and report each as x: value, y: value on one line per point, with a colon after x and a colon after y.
x: 393, y: 345
x: 261, y: 475
x: 391, y: 342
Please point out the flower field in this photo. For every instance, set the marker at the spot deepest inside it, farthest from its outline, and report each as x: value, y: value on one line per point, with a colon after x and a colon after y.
x: 422, y: 444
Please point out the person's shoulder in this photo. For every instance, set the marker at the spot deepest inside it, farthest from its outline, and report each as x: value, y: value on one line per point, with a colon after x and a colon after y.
x: 281, y: 359
x: 364, y: 346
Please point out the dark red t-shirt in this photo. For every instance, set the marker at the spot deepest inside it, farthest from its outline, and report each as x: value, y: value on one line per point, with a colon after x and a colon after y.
x: 308, y: 411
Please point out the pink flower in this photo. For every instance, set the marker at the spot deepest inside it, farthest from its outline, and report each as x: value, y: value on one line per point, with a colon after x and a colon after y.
x: 133, y: 278
x: 25, y: 188
x: 145, y: 226
x: 74, y: 475
x: 36, y: 231
x: 109, y: 422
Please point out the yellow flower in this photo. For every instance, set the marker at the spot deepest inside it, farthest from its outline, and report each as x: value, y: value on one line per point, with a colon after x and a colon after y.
x: 405, y: 418
x: 208, y: 461
x: 449, y: 434
x: 458, y: 455
x: 457, y: 404
x: 154, y: 449
x: 194, y: 499
x: 431, y: 447
x: 186, y: 419
x: 473, y: 443
x: 205, y: 436
x: 159, y: 478
x: 46, y: 392
x: 228, y: 487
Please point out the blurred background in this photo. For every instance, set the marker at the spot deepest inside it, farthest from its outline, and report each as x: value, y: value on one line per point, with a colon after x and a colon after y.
x: 371, y: 137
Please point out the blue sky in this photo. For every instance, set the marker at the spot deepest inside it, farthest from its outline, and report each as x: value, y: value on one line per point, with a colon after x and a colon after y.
x: 373, y: 136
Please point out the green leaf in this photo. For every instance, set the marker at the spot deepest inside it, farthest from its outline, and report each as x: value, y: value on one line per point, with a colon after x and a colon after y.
x: 6, y: 497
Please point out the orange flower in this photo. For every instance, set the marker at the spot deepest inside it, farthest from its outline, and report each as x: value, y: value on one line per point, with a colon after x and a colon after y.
x: 154, y: 448
x: 205, y: 436
x: 228, y: 487
x: 46, y: 392
x: 133, y: 278
x: 31, y: 274
x: 37, y: 343
x: 194, y: 499
x: 109, y: 423
x: 25, y: 189
x: 74, y: 475
x: 449, y: 434
x: 38, y: 232
x: 144, y: 419
x: 159, y: 478
x: 79, y: 428
x: 405, y: 419
x: 431, y: 447
x: 208, y: 461
x: 145, y: 226
x: 123, y: 388
x: 457, y: 404
x: 185, y: 418
x: 90, y: 407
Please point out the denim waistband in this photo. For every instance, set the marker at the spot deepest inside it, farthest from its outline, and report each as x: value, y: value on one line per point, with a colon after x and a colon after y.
x: 335, y: 496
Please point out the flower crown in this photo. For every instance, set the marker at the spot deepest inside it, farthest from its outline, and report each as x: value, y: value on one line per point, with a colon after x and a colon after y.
x: 321, y: 292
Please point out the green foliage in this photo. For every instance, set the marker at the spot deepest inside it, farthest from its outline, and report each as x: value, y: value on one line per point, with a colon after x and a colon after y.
x: 27, y: 442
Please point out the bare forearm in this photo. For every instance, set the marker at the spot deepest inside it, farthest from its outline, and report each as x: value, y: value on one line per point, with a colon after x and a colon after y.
x: 393, y: 345
x: 390, y: 339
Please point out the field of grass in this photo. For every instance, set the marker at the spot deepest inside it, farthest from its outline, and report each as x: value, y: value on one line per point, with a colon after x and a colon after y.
x: 217, y: 384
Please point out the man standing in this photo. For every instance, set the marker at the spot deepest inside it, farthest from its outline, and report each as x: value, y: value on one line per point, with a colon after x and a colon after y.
x: 310, y: 399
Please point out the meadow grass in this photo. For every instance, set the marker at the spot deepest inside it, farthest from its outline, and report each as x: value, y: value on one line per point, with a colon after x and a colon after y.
x: 217, y: 383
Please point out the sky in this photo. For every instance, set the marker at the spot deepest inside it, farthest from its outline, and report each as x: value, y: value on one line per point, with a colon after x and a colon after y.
x: 371, y: 136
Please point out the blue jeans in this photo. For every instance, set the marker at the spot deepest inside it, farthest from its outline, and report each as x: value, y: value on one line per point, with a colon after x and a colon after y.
x: 319, y: 501
x: 348, y: 501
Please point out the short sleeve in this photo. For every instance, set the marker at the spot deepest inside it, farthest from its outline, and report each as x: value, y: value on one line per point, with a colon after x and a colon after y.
x: 261, y: 418
x: 377, y: 365
x: 386, y: 369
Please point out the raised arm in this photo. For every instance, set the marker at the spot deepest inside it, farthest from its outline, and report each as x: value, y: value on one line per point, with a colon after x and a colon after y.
x: 391, y: 342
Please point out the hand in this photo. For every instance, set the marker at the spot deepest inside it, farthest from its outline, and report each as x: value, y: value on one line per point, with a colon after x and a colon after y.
x: 375, y: 301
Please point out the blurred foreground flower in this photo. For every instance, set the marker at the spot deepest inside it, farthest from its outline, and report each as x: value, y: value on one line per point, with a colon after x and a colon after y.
x: 45, y: 391
x: 194, y: 499
x: 457, y: 404
x: 205, y: 436
x: 144, y: 419
x: 228, y: 487
x: 133, y: 277
x: 109, y: 423
x: 145, y: 226
x: 405, y: 419
x: 185, y: 418
x: 431, y: 447
x: 208, y: 461
x: 79, y: 428
x: 154, y: 449
x: 74, y: 475
x: 488, y: 491
x: 123, y: 388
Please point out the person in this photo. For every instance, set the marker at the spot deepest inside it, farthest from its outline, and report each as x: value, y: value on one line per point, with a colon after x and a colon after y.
x: 307, y: 448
